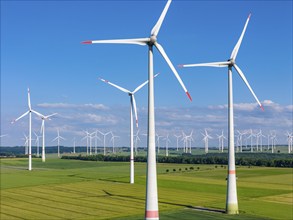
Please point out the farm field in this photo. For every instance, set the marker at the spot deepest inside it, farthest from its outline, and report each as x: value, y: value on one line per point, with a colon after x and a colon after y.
x: 69, y: 189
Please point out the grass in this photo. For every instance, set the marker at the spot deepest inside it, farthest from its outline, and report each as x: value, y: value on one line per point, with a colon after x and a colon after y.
x: 68, y: 189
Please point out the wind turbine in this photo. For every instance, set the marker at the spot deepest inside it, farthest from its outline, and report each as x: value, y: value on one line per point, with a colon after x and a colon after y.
x: 289, y: 139
x: 177, y: 138
x: 167, y: 144
x: 44, y: 118
x: 37, y: 142
x: 231, y: 201
x: 136, y: 141
x: 104, y: 134
x: 240, y: 139
x: 58, y: 141
x: 221, y: 141
x: 251, y: 138
x: 189, y: 140
x: 25, y: 144
x: 206, y: 140
x: 158, y: 141
x: 74, y: 145
x: 132, y: 109
x: 113, y: 141
x: 29, y: 112
x: 259, y: 137
x: 96, y: 139
x: 87, y: 136
x: 184, y: 138
x: 151, y: 208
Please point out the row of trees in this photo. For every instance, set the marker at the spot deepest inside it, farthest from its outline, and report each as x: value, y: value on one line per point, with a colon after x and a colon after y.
x: 257, y: 159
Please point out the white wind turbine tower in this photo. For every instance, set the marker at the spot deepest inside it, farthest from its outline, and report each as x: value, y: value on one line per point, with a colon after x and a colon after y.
x: 240, y: 139
x: 177, y: 140
x: 91, y: 137
x: 29, y: 112
x: 259, y: 137
x: 189, y: 141
x: 251, y: 139
x: 232, y: 201
x: 137, y: 139
x: 273, y: 138
x: 158, y: 141
x: 151, y: 208
x: 289, y: 139
x: 44, y: 118
x: 133, y: 108
x: 87, y: 137
x: 37, y: 142
x: 167, y: 144
x: 184, y: 138
x: 104, y: 134
x: 96, y: 141
x: 25, y: 144
x: 113, y: 141
x: 74, y: 145
x: 58, y: 141
x: 206, y: 140
x: 221, y: 141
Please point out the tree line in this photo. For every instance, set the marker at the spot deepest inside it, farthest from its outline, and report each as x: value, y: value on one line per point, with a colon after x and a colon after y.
x: 243, y: 159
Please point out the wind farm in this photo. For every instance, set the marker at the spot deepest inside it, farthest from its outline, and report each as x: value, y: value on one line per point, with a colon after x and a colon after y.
x: 185, y: 150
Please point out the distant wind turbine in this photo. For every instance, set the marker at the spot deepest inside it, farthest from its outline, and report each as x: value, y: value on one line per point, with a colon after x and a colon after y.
x: 206, y: 140
x: 177, y: 139
x: 58, y: 141
x: 133, y: 108
x: 104, y: 134
x: 44, y: 118
x: 37, y: 143
x: 113, y: 141
x: 29, y: 112
x: 167, y: 144
x: 232, y: 201
x: 221, y: 141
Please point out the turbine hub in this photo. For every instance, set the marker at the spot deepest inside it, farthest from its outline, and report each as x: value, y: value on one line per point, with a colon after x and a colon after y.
x: 232, y: 62
x: 153, y: 39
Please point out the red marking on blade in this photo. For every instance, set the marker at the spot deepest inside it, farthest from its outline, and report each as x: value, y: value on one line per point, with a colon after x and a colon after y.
x: 151, y: 214
x: 232, y: 171
x: 262, y: 108
x: 249, y: 15
x: 180, y: 65
x: 87, y: 42
x: 187, y: 93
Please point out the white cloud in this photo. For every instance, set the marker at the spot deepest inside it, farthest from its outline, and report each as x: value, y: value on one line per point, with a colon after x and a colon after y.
x: 67, y: 105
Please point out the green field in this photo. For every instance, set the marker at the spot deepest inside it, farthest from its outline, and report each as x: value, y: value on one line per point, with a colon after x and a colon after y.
x: 69, y: 189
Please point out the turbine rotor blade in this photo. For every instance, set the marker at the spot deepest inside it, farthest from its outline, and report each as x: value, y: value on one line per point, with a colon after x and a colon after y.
x: 48, y: 116
x: 213, y: 64
x: 29, y: 99
x: 138, y: 41
x: 238, y: 44
x: 116, y: 86
x: 133, y: 103
x: 247, y: 84
x: 143, y: 84
x: 157, y: 26
x: 163, y: 53
x: 20, y: 117
x: 37, y: 113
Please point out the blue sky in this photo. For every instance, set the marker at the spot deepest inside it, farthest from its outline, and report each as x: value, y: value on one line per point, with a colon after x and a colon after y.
x: 40, y: 49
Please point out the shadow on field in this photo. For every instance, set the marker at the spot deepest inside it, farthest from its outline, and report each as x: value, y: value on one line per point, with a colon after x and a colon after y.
x: 199, y: 208
x: 196, y: 208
